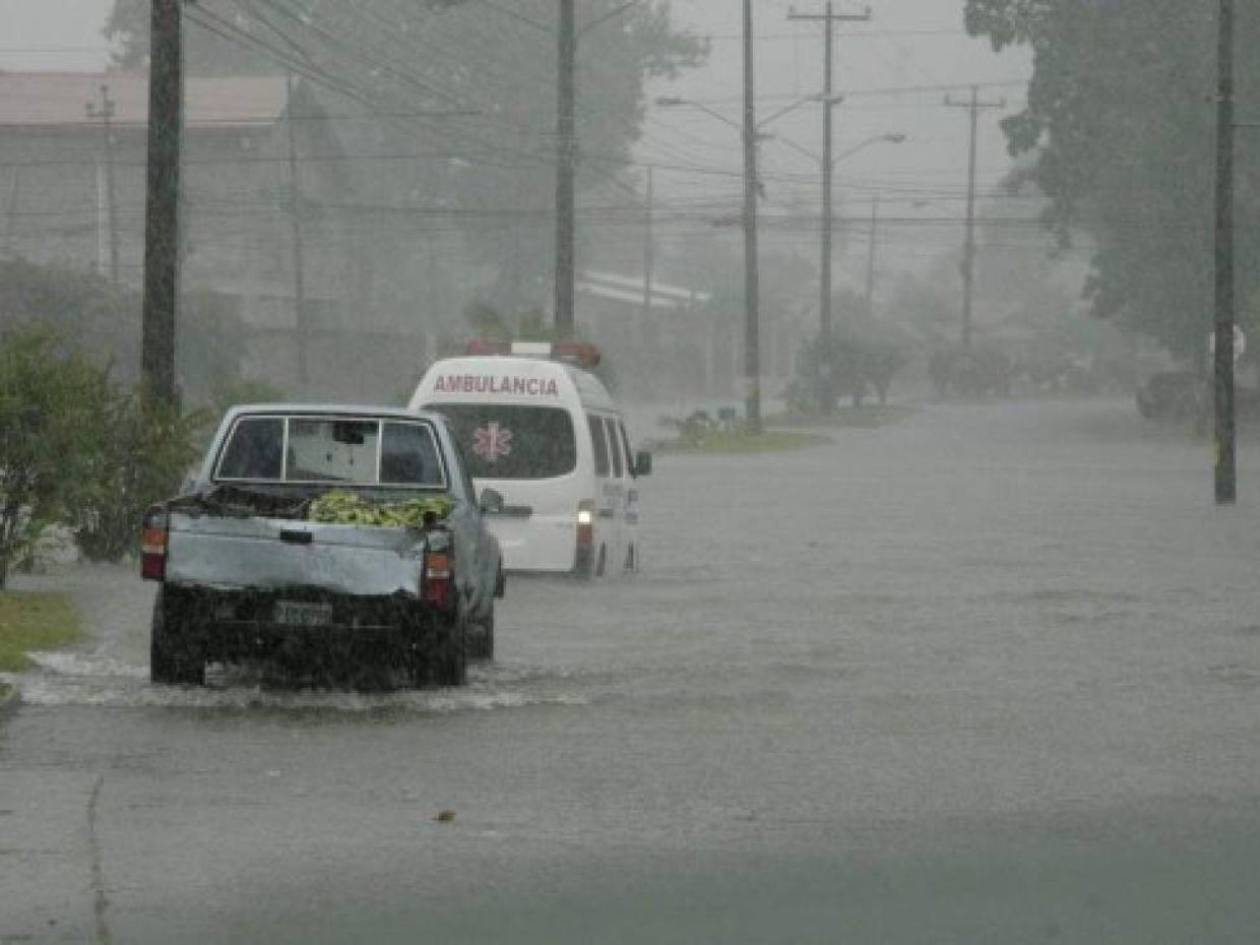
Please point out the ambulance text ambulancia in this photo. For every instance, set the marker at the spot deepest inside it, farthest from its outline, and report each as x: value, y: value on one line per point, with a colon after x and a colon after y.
x: 541, y: 430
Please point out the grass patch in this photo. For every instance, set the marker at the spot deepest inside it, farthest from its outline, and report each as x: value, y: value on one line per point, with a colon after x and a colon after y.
x: 31, y: 621
x: 866, y: 417
x: 727, y: 442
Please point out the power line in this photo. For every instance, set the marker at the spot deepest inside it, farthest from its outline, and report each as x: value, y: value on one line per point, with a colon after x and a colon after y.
x: 890, y: 90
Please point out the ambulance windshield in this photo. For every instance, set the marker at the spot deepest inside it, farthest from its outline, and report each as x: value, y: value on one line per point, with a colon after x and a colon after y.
x: 503, y: 441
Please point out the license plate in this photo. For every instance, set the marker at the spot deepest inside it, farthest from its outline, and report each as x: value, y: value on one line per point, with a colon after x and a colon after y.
x: 303, y: 613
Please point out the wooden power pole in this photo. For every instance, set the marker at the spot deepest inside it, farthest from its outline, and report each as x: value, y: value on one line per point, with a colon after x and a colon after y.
x: 974, y: 106
x: 1226, y: 485
x: 826, y: 372
x: 106, y: 114
x: 300, y: 328
x: 566, y: 168
x: 872, y: 248
x: 649, y: 259
x: 752, y: 280
x: 161, y: 225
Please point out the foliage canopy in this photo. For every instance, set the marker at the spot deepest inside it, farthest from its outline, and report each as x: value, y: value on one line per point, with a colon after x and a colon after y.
x: 1121, y: 117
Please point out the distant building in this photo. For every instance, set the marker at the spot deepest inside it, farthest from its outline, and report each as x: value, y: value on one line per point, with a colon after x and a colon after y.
x: 55, y: 164
x: 238, y: 221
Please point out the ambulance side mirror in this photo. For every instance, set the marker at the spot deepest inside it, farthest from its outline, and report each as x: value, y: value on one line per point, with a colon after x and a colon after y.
x: 491, y: 502
x: 643, y: 463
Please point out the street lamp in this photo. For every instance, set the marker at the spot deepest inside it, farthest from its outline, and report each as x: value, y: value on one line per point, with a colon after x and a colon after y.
x: 752, y: 134
x: 670, y: 101
x: 826, y: 388
x: 752, y: 318
x: 894, y: 138
x: 568, y: 35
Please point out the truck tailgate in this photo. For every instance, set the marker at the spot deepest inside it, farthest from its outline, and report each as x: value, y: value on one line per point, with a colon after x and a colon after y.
x: 263, y: 553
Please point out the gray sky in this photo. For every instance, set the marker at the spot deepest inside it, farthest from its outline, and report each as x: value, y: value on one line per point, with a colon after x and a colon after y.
x: 52, y: 35
x: 908, y: 44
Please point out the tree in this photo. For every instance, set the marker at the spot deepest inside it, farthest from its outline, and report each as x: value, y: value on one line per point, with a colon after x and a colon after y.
x: 865, y: 356
x: 1120, y: 119
x: 147, y: 449
x: 51, y: 435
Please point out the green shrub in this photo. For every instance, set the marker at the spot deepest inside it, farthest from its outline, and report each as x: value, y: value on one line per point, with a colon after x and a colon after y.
x: 148, y: 450
x: 859, y: 367
x: 53, y: 403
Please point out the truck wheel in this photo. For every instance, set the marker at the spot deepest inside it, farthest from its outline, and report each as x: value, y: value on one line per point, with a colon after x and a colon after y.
x: 440, y: 651
x: 451, y: 667
x: 173, y: 657
x: 481, y: 640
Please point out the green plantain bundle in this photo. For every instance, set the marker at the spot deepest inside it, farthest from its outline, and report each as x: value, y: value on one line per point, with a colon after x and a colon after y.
x: 340, y: 507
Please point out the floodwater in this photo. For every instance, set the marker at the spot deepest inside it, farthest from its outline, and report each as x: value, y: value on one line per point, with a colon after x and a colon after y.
x: 988, y: 675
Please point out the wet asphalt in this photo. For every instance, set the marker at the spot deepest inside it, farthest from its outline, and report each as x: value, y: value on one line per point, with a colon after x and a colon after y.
x: 988, y: 675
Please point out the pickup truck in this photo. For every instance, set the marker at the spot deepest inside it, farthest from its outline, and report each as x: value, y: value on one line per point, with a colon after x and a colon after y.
x: 348, y: 535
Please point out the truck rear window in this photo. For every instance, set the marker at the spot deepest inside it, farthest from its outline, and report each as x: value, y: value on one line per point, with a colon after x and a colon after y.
x: 503, y: 441
x: 350, y: 451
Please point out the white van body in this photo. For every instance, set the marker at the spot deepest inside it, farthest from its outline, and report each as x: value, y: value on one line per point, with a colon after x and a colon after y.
x: 549, y: 438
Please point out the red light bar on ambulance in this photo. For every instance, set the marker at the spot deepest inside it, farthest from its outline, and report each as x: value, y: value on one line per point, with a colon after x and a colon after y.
x: 581, y: 354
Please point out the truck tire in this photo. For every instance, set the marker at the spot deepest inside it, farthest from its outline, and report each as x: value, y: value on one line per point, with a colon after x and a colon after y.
x: 440, y: 651
x: 451, y: 667
x: 174, y: 658
x: 481, y: 639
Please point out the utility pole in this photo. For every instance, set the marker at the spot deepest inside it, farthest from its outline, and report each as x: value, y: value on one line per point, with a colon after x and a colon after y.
x: 974, y: 106
x: 1226, y: 485
x: 566, y: 167
x: 295, y: 221
x: 106, y: 115
x: 826, y: 387
x: 161, y: 226
x: 870, y: 258
x: 752, y: 287
x: 10, y: 208
x: 649, y: 259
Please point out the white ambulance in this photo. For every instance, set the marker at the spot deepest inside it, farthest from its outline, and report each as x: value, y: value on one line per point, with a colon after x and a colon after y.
x: 540, y: 429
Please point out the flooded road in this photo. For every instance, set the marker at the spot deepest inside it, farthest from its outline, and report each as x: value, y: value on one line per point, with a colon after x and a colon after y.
x: 990, y: 675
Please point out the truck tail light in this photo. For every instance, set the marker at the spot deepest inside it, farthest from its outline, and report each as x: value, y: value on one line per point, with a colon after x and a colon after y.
x: 153, y: 539
x: 585, y: 523
x: 436, y: 588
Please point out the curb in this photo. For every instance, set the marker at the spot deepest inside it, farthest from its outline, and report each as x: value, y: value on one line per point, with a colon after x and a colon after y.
x: 10, y: 697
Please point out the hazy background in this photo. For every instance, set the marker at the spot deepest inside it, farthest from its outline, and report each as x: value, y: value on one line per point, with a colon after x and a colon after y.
x: 916, y: 46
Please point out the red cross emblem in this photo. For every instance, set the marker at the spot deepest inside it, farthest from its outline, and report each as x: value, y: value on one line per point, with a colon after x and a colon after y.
x: 492, y: 441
